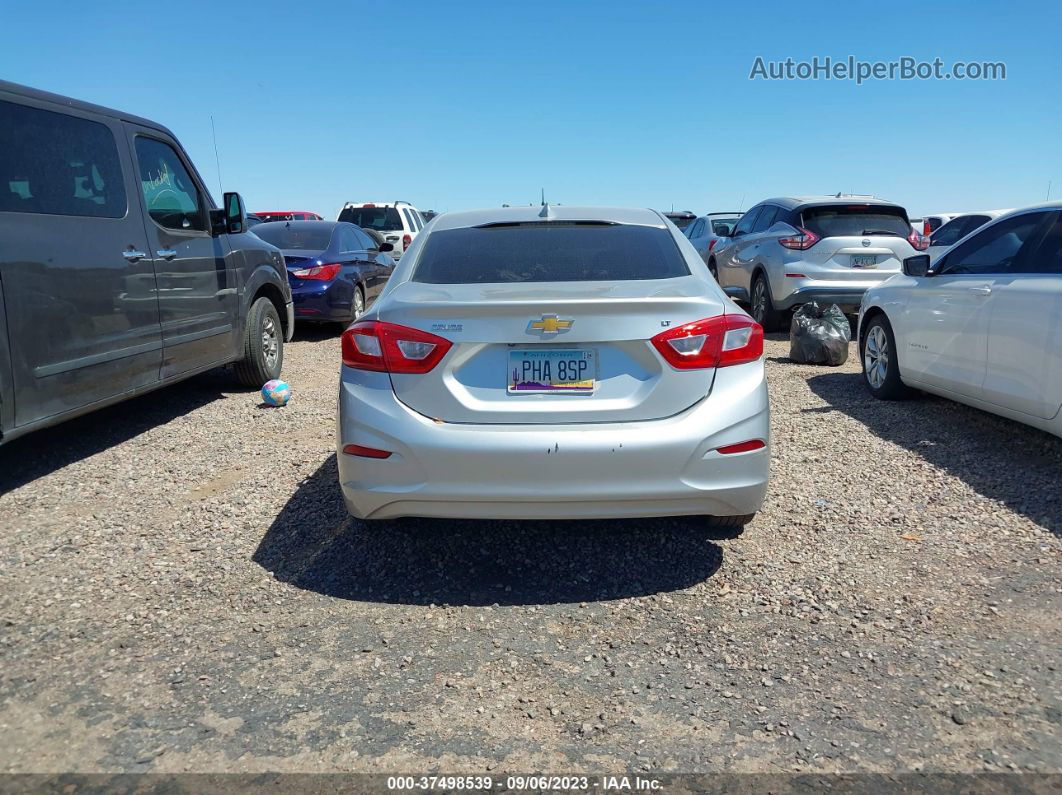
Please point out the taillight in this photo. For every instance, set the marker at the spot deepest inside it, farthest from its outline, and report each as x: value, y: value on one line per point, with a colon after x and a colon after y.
x: 389, y: 348
x: 712, y: 242
x: 372, y: 206
x: 714, y: 342
x: 406, y: 240
x: 318, y: 273
x: 927, y: 228
x: 801, y: 241
x: 917, y: 241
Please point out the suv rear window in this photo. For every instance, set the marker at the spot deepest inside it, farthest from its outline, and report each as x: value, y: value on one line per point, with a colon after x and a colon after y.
x: 383, y: 219
x: 549, y: 251
x: 681, y: 220
x: 855, y: 220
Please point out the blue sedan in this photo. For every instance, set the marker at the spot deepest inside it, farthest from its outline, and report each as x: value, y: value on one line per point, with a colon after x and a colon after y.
x: 335, y: 269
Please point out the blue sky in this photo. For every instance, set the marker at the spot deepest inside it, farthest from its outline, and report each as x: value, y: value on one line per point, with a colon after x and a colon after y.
x: 453, y: 105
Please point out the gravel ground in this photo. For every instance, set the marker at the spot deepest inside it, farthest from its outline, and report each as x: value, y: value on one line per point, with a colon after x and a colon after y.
x: 182, y: 590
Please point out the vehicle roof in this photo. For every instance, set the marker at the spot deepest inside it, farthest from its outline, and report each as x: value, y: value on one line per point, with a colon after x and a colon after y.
x: 680, y: 214
x: 531, y: 214
x: 284, y: 212
x: 301, y: 224
x: 77, y: 104
x: 730, y: 214
x: 378, y: 204
x: 993, y: 213
x: 792, y: 202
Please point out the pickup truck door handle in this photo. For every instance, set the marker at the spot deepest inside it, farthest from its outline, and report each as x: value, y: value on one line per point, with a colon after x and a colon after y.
x: 133, y: 255
x: 168, y: 253
x: 981, y: 290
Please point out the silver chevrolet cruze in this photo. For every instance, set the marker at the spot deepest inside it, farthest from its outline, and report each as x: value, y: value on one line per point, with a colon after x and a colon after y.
x: 554, y: 362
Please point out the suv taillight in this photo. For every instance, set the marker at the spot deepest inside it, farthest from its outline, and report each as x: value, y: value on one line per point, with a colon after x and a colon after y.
x: 918, y: 242
x: 713, y: 342
x: 927, y: 228
x: 390, y: 348
x: 801, y: 241
x: 406, y: 240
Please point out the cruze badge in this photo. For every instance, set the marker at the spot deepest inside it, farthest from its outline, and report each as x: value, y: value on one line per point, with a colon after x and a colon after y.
x: 549, y: 324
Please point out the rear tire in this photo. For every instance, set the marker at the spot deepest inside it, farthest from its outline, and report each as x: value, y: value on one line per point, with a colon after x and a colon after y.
x: 731, y: 522
x: 712, y: 270
x: 357, y: 304
x: 263, y: 345
x: 763, y: 311
x: 881, y: 367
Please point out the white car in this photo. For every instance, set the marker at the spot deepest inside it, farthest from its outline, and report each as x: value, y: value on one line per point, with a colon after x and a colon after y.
x: 553, y: 363
x: 982, y: 325
x: 398, y: 222
x: 959, y: 227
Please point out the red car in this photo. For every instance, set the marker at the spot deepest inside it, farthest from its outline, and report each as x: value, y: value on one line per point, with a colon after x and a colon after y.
x: 282, y: 215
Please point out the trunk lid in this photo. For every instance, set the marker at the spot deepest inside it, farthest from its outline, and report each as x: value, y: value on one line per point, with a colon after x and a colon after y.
x: 611, y: 325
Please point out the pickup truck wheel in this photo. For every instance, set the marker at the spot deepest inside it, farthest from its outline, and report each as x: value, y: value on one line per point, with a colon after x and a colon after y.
x: 763, y: 311
x: 263, y: 345
x: 881, y: 370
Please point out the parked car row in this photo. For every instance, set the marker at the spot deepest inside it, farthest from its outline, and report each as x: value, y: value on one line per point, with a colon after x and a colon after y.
x: 789, y: 251
x: 977, y: 317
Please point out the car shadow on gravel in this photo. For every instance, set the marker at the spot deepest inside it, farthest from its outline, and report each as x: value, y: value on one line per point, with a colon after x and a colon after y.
x: 314, y: 545
x: 1003, y: 460
x: 45, y: 451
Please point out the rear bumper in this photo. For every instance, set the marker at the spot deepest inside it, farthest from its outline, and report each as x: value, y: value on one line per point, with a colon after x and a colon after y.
x: 329, y: 302
x: 636, y: 469
x: 847, y: 298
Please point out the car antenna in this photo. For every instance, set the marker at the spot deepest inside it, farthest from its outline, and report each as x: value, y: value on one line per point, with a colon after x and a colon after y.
x: 546, y: 211
x: 217, y: 159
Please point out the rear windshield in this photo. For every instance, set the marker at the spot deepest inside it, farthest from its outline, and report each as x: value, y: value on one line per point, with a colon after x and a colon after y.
x: 842, y: 220
x: 681, y: 221
x: 301, y: 236
x: 383, y: 219
x: 549, y: 252
x: 724, y: 227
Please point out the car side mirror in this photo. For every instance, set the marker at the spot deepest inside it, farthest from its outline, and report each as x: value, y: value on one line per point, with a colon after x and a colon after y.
x: 235, y: 214
x: 385, y: 247
x: 917, y: 266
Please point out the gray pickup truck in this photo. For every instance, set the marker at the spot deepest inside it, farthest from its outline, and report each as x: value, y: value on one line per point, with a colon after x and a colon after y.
x: 118, y: 274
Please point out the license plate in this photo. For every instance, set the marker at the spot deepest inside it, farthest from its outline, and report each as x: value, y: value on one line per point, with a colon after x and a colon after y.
x: 571, y: 372
x: 864, y: 261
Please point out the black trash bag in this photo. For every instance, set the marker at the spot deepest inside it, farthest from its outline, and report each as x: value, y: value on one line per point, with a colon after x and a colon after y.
x: 819, y: 336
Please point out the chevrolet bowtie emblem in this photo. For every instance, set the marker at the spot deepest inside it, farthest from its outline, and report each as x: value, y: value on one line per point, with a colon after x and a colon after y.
x: 549, y: 324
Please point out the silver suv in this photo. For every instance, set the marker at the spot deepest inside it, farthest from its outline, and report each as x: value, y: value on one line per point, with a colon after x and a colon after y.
x: 786, y: 252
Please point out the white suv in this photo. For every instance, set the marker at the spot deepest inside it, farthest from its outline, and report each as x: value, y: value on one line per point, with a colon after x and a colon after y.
x: 398, y: 222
